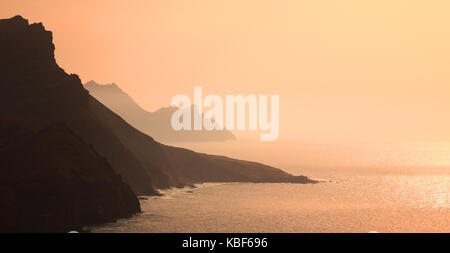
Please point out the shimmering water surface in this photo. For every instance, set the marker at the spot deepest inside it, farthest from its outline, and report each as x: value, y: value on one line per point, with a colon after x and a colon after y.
x: 347, y: 202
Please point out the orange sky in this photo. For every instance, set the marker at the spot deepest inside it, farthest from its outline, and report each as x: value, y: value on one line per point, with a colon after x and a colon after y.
x: 350, y: 69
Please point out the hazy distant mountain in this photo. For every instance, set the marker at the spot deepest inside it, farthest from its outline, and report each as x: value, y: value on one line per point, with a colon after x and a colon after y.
x: 156, y: 124
x: 56, y: 139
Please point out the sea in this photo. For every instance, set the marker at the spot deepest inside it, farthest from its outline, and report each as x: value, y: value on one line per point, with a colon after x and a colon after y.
x: 351, y: 197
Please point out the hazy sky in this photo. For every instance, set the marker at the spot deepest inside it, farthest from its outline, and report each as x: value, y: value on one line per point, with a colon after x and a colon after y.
x: 350, y: 69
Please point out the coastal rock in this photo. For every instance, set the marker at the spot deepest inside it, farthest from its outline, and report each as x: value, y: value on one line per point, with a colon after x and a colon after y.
x: 51, y: 181
x: 37, y: 93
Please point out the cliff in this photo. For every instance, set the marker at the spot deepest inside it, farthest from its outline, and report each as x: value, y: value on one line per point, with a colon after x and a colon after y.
x: 51, y: 181
x: 36, y: 93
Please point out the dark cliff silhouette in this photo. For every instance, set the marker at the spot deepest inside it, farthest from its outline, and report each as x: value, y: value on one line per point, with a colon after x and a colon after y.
x: 60, y: 148
x: 51, y: 181
x: 155, y: 124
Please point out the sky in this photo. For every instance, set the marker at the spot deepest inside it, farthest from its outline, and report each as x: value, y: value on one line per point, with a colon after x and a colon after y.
x: 346, y: 71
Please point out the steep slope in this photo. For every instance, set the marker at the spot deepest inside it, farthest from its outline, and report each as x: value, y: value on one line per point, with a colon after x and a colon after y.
x: 51, y: 181
x: 156, y: 124
x: 36, y: 93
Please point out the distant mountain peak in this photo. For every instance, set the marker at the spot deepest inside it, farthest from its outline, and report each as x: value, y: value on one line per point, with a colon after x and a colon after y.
x: 157, y: 123
x: 93, y: 85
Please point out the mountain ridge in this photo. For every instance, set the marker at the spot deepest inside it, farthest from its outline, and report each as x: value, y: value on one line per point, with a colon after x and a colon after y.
x: 37, y: 92
x: 157, y: 123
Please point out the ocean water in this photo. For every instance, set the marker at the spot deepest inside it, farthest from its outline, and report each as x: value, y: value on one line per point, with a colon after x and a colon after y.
x: 383, y: 187
x: 346, y: 202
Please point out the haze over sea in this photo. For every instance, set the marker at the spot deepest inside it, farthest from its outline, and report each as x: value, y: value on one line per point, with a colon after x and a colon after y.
x: 383, y: 187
